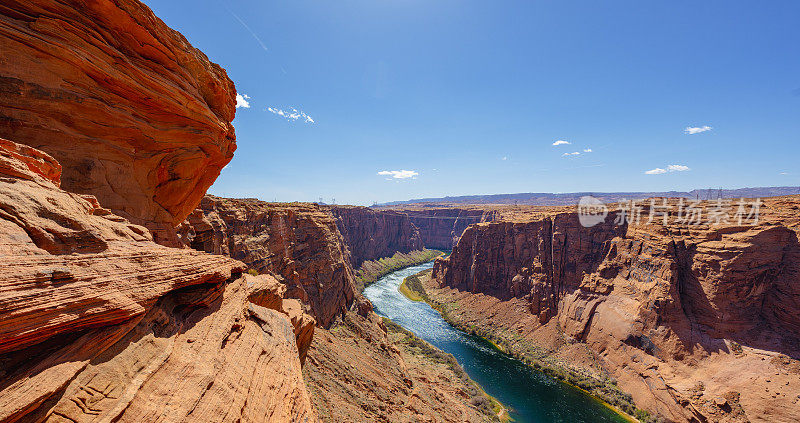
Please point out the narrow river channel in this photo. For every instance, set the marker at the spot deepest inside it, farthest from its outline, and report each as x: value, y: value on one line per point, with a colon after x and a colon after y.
x: 531, y: 395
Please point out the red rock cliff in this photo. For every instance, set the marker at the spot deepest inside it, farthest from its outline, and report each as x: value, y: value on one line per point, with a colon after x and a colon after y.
x: 135, y: 115
x: 372, y: 234
x: 540, y: 260
x: 698, y: 323
x: 298, y: 241
x: 440, y: 228
x: 99, y: 323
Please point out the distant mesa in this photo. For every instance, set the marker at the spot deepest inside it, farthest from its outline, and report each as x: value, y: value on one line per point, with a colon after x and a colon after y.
x: 570, y: 199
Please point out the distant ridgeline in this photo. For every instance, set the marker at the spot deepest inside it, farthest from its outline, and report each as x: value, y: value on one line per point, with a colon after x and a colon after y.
x: 566, y: 199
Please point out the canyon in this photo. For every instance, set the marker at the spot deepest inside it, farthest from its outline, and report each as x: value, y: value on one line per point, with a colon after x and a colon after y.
x: 128, y: 293
x: 694, y: 322
x: 440, y: 227
x: 356, y: 370
x: 100, y: 322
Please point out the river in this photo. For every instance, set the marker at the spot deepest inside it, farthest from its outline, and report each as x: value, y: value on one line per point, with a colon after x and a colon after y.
x: 531, y: 396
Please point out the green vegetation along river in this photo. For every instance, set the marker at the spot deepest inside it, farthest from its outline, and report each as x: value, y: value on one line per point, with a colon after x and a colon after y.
x: 531, y: 396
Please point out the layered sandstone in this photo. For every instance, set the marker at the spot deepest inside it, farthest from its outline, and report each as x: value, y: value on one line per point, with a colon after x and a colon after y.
x: 541, y: 259
x: 135, y: 115
x: 299, y: 242
x: 372, y: 234
x: 696, y: 322
x: 99, y: 323
x: 440, y: 228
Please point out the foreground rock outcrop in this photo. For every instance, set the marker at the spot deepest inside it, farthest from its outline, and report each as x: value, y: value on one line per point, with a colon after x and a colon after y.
x: 136, y: 116
x: 695, y: 322
x: 99, y: 323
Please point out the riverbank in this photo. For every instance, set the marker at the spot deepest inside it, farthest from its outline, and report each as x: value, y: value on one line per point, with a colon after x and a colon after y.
x: 372, y: 270
x: 368, y: 369
x: 604, y: 390
x: 420, y: 348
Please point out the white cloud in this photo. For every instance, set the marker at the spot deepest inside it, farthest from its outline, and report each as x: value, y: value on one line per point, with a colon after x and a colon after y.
x: 575, y: 153
x: 670, y: 168
x: 399, y: 174
x: 504, y: 158
x: 691, y: 130
x: 241, y: 101
x: 587, y: 150
x: 561, y: 142
x: 292, y: 114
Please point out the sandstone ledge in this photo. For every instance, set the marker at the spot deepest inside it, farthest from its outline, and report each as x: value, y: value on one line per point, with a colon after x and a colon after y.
x: 99, y: 323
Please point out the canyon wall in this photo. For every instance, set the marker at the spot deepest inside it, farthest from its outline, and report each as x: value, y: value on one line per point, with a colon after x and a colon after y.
x: 440, y: 228
x: 135, y: 115
x: 540, y: 260
x: 696, y: 322
x: 371, y: 234
x: 297, y: 241
x: 99, y: 323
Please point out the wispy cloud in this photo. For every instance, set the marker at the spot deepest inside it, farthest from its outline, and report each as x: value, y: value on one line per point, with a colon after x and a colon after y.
x: 504, y: 158
x: 561, y: 142
x: 574, y: 153
x: 241, y: 101
x: 399, y: 174
x: 261, y: 43
x: 291, y: 114
x: 670, y: 168
x: 691, y: 130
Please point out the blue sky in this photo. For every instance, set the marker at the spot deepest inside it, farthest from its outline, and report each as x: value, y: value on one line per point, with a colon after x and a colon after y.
x: 468, y: 97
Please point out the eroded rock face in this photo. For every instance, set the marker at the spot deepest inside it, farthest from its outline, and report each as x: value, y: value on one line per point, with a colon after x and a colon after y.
x: 298, y: 241
x: 135, y: 115
x: 695, y: 322
x: 440, y: 228
x: 538, y: 260
x: 99, y: 323
x: 372, y: 234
